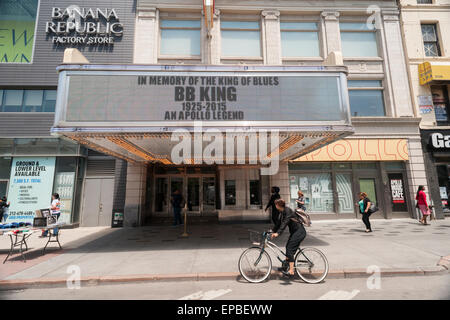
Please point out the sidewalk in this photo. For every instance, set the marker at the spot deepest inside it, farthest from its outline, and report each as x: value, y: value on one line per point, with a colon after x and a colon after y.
x: 401, y: 246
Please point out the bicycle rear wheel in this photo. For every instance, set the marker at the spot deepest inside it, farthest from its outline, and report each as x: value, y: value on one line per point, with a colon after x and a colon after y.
x: 311, y: 265
x: 255, y: 266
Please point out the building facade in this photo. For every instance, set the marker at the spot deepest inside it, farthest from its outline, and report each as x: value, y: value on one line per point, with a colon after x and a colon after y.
x: 34, y: 163
x: 427, y: 45
x: 326, y: 83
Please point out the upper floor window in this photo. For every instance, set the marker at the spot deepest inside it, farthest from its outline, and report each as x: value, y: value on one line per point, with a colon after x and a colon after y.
x: 430, y: 40
x: 366, y: 98
x: 27, y: 100
x: 180, y: 37
x: 424, y: 1
x: 358, y: 40
x: 17, y: 29
x: 240, y: 38
x: 299, y: 39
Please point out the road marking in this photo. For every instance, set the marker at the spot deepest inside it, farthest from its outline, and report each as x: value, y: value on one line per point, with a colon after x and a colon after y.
x: 339, y: 295
x: 208, y: 295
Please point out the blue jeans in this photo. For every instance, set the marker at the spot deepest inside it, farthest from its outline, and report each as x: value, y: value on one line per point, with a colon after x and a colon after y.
x: 177, y: 216
x: 55, y: 230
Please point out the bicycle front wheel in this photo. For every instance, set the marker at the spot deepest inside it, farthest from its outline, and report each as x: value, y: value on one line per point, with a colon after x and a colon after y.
x: 255, y: 265
x: 311, y: 265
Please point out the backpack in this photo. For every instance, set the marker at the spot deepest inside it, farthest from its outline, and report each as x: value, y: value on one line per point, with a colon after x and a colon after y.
x: 305, y: 218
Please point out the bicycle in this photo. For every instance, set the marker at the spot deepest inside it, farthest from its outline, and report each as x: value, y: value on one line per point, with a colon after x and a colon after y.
x: 255, y: 264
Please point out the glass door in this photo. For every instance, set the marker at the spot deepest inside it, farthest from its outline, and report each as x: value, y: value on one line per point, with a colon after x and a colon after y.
x: 176, y: 183
x: 193, y: 194
x: 161, y: 200
x: 209, y: 194
x: 368, y: 185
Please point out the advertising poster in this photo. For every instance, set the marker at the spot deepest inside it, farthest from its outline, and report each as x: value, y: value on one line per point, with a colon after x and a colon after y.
x: 30, y: 187
x: 303, y: 183
x: 397, y: 191
x: 64, y: 184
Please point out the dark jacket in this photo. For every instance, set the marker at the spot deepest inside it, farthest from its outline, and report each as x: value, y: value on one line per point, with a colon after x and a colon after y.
x: 273, y: 198
x: 288, y: 218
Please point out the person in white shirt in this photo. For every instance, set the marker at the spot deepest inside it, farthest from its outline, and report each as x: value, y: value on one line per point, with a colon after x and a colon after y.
x: 55, y: 210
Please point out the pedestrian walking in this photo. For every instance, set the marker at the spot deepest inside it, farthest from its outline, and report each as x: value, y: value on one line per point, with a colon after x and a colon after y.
x: 364, y: 208
x: 271, y: 204
x: 422, y: 204
x: 177, y: 204
x: 55, y: 210
x: 301, y: 201
x: 4, y: 205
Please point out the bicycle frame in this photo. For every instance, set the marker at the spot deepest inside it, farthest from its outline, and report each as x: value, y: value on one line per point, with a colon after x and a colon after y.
x: 274, y: 248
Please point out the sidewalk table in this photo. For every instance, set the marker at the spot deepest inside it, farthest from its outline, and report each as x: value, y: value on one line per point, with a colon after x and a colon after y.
x: 18, y: 237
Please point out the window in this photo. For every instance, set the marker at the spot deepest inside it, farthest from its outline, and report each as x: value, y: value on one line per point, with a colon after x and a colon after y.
x: 180, y: 37
x: 424, y: 1
x: 230, y: 192
x: 240, y: 39
x: 441, y: 104
x: 27, y: 100
x: 299, y: 39
x: 317, y: 189
x: 17, y: 28
x: 366, y: 98
x: 430, y: 40
x: 255, y: 192
x: 358, y: 40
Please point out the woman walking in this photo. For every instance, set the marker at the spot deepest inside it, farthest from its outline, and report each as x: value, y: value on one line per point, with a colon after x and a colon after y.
x: 275, y: 196
x: 422, y: 204
x: 301, y: 201
x: 364, y: 209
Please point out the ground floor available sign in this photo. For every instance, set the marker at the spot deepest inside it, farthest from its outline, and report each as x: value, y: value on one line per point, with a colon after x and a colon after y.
x: 30, y: 187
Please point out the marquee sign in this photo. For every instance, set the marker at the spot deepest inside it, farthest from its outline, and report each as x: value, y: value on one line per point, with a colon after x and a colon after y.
x: 84, y: 26
x: 171, y: 98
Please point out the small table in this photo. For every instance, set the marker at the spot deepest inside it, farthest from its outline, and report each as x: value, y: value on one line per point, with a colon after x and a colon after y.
x: 18, y: 238
x: 52, y: 235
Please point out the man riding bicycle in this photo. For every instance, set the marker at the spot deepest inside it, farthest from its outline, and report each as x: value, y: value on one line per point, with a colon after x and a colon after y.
x: 289, y: 218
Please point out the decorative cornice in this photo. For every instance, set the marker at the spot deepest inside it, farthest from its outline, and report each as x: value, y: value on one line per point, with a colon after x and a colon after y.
x: 330, y: 15
x: 147, y: 13
x: 271, y: 14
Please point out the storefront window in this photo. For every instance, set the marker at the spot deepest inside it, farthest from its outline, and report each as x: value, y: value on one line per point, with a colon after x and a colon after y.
x: 317, y: 189
x: 444, y: 184
x: 255, y: 192
x: 17, y: 30
x: 64, y: 185
x: 345, y: 194
x: 230, y: 192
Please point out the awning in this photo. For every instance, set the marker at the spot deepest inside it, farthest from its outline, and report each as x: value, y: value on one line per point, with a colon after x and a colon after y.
x: 434, y: 72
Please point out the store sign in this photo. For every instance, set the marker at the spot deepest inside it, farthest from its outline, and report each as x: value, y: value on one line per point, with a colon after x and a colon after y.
x: 397, y: 191
x: 439, y: 141
x: 84, y: 26
x: 30, y: 187
x: 165, y: 98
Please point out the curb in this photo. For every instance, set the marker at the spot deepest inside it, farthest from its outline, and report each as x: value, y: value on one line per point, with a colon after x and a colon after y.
x: 102, y: 280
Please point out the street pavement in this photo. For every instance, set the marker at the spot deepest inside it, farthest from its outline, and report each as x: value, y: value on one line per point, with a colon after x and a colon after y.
x: 398, y: 288
x: 159, y: 250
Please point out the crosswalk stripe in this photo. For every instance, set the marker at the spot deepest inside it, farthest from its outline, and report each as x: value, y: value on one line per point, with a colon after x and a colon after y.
x: 339, y: 295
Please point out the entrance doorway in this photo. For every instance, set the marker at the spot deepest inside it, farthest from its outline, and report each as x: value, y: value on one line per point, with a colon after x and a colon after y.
x: 370, y: 185
x: 97, y: 202
x: 199, y: 191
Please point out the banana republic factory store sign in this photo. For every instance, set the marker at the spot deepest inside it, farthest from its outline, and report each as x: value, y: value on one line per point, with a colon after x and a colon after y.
x: 84, y: 26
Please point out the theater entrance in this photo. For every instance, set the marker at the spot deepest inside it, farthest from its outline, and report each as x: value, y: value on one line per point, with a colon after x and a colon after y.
x: 198, y: 189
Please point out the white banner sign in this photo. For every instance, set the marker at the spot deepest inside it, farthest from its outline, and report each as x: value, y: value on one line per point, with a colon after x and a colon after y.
x: 30, y: 187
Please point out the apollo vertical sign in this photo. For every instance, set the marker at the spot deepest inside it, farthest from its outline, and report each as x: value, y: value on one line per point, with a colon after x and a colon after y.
x: 84, y: 26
